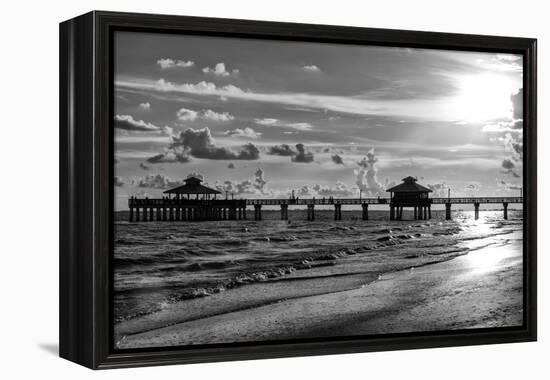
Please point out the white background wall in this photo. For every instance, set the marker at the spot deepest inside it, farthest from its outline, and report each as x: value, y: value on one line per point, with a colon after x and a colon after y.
x: 29, y: 162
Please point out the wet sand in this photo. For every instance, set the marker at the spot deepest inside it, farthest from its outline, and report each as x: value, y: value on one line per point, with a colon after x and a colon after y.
x: 480, y: 289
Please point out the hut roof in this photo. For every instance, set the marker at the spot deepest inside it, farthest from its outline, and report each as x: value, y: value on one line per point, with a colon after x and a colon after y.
x: 409, y: 185
x: 192, y: 186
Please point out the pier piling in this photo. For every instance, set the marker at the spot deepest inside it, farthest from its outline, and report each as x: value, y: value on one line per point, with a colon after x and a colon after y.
x: 284, y: 211
x: 447, y: 211
x: 311, y: 212
x: 337, y: 211
x: 476, y: 211
x: 365, y: 213
x: 505, y: 205
x: 257, y: 212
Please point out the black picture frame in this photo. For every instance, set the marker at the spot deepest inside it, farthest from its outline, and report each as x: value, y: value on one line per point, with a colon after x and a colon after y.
x: 86, y: 183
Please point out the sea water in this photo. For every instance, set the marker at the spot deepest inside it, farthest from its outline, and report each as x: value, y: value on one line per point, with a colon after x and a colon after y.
x: 158, y: 263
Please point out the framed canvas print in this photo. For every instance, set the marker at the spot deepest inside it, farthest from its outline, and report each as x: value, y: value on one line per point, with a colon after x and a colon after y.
x: 237, y: 189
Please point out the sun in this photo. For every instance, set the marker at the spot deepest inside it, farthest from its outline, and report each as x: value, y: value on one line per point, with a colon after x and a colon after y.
x: 484, y: 97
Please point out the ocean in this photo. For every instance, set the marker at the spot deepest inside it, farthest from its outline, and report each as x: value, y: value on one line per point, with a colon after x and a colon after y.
x: 161, y: 263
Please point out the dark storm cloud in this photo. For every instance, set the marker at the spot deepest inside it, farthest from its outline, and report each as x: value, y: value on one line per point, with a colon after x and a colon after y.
x: 509, y: 168
x: 170, y: 156
x: 302, y: 155
x: 513, y: 141
x: 200, y: 144
x: 281, y: 150
x: 337, y: 159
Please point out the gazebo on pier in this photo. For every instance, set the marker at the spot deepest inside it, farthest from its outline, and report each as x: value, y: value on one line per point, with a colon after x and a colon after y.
x: 191, y: 187
x: 410, y: 194
x: 191, y: 201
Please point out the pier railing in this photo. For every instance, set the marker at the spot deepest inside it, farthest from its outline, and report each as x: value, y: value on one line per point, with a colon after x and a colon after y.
x: 380, y: 201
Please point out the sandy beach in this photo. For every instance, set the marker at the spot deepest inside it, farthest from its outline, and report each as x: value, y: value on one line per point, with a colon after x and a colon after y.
x: 480, y: 289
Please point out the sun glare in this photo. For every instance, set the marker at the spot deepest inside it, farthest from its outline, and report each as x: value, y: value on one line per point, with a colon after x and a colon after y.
x: 484, y: 97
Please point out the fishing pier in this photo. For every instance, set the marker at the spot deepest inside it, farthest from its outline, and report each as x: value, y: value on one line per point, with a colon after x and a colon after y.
x: 195, y: 202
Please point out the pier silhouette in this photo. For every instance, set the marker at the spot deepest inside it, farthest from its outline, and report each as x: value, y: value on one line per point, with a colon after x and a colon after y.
x: 195, y: 202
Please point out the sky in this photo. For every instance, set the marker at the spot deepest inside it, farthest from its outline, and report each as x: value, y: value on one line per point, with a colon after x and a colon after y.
x: 261, y: 118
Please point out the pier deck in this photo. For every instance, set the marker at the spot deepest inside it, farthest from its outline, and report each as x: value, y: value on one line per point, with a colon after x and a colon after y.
x: 174, y: 209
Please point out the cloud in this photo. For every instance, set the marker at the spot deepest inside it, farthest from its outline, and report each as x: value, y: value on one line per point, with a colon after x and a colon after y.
x: 507, y: 164
x: 299, y: 126
x: 517, y: 104
x: 128, y: 123
x: 245, y: 187
x: 231, y: 165
x: 169, y: 63
x: 270, y: 122
x: 311, y: 68
x: 439, y: 190
x: 509, y: 134
x: 145, y: 106
x: 508, y: 167
x: 260, y: 181
x: 359, y: 105
x: 513, y: 142
x: 502, y: 62
x: 281, y: 150
x: 185, y: 114
x: 472, y: 188
x: 143, y: 166
x: 156, y: 181
x: 511, y: 126
x: 266, y: 121
x: 304, y: 191
x: 195, y: 175
x: 302, y: 155
x: 119, y: 181
x: 200, y: 144
x: 171, y: 155
x: 513, y: 145
x: 337, y: 159
x: 219, y: 70
x: 256, y: 185
x: 508, y: 185
x: 246, y: 133
x: 216, y: 116
x: 366, y: 175
x: 341, y: 190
